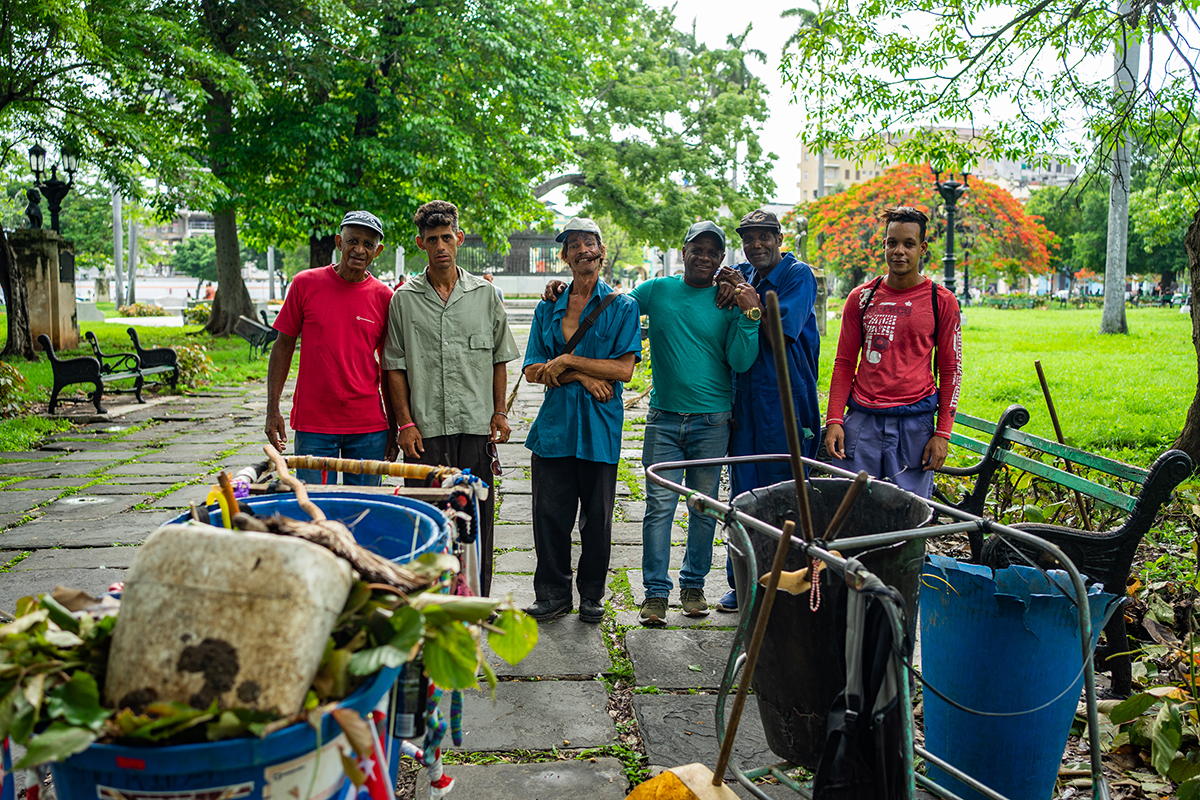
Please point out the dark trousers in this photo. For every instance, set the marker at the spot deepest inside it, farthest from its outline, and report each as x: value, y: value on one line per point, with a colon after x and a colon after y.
x: 562, y: 488
x: 467, y: 451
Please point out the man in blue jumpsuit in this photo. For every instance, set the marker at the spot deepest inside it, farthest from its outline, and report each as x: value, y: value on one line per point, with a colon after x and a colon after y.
x: 757, y: 416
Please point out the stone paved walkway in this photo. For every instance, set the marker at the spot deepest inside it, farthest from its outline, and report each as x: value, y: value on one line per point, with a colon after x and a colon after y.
x: 73, y: 512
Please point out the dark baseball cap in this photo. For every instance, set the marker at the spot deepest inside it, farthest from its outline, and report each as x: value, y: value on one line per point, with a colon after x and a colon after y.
x: 759, y: 218
x: 364, y: 219
x: 705, y: 226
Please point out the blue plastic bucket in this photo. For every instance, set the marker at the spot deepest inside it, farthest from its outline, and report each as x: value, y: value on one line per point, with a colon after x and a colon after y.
x: 395, y: 527
x: 1005, y: 644
x: 283, y: 763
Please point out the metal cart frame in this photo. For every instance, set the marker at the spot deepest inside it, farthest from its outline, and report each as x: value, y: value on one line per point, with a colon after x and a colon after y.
x: 739, y: 521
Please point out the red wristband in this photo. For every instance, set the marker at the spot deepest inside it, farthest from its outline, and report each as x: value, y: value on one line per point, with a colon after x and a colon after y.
x: 409, y: 425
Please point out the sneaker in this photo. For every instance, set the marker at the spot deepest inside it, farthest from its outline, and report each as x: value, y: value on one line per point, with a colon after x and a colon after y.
x: 728, y: 603
x: 654, y: 611
x: 694, y: 604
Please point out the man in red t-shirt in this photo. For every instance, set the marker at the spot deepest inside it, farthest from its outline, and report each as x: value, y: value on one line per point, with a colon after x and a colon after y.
x: 890, y: 328
x: 341, y: 310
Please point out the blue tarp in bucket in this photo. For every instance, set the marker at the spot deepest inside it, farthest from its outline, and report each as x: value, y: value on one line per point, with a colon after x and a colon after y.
x: 395, y: 527
x: 287, y: 762
x: 283, y: 766
x: 1002, y: 645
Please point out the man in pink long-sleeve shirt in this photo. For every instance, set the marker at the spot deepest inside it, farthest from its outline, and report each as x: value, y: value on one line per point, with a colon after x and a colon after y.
x: 884, y: 395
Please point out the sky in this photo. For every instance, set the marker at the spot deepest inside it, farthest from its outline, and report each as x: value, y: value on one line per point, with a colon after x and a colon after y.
x: 713, y: 23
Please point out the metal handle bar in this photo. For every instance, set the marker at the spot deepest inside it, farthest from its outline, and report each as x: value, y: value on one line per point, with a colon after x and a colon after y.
x: 725, y: 512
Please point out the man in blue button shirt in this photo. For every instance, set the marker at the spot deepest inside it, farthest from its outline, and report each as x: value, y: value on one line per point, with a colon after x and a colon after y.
x: 576, y: 438
x: 757, y: 416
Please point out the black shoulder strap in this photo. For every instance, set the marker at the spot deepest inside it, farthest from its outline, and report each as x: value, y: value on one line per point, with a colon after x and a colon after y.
x: 862, y: 320
x: 588, y: 322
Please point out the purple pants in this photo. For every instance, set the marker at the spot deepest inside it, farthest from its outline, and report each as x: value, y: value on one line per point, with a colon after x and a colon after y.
x: 889, y: 448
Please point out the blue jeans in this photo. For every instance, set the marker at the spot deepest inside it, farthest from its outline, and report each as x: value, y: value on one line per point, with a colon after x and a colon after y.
x: 679, y: 437
x: 341, y: 445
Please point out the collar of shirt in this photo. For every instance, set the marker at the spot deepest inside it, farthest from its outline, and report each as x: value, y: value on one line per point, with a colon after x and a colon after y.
x: 560, y: 307
x: 466, y: 283
x: 772, y: 278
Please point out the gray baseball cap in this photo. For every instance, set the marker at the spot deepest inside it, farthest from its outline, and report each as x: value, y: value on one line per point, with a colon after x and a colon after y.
x: 760, y: 218
x: 578, y: 225
x: 364, y: 219
x: 705, y: 226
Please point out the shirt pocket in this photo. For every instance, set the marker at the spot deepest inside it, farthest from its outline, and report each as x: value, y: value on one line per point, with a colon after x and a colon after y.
x: 479, y: 341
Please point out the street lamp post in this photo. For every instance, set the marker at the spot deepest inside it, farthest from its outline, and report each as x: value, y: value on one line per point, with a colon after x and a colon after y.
x: 54, y: 189
x: 950, y: 190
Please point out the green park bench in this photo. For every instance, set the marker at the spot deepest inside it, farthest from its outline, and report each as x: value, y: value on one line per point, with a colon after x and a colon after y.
x: 1104, y: 556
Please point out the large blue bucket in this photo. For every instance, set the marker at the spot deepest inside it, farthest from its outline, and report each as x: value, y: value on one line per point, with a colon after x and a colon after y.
x: 395, y: 527
x: 287, y: 761
x: 1009, y: 645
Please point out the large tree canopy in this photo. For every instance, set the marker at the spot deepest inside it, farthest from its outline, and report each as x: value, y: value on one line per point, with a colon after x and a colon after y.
x: 1004, y: 239
x: 668, y: 131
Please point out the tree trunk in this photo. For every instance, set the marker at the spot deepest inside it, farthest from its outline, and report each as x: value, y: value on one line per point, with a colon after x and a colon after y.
x: 1125, y: 76
x: 16, y: 295
x: 1189, y: 437
x: 233, y: 299
x: 320, y: 250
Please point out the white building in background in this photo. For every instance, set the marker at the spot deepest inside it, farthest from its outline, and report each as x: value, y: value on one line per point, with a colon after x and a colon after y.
x: 1017, y: 178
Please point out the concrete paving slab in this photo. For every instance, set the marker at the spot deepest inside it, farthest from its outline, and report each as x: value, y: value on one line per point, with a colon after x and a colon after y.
x: 628, y: 617
x: 102, y: 455
x: 9, y: 520
x: 519, y: 586
x: 79, y: 558
x: 141, y: 490
x: 143, y: 470
x: 131, y: 527
x: 621, y: 556
x: 18, y: 502
x: 595, y: 779
x: 46, y: 469
x: 516, y: 508
x: 680, y: 729
x: 22, y: 584
x: 772, y: 790
x: 537, y: 715
x: 27, y: 455
x: 154, y: 433
x: 517, y: 484
x: 566, y: 646
x: 508, y: 536
x: 88, y: 446
x: 182, y: 498
x: 86, y: 506
x: 170, y: 455
x: 26, y: 484
x: 678, y: 659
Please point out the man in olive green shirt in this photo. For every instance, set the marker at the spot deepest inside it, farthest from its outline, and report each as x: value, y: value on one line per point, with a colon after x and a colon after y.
x: 447, y: 345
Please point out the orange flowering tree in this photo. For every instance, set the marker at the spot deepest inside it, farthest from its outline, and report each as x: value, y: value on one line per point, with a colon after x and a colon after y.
x: 993, y: 231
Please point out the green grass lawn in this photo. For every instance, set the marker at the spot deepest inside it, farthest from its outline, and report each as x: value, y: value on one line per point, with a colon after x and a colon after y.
x: 1124, y: 395
x: 229, y: 357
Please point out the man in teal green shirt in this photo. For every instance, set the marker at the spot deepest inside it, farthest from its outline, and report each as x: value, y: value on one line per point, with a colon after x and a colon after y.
x: 694, y: 344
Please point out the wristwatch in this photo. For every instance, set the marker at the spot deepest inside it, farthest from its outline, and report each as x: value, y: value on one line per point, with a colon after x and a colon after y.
x: 753, y: 314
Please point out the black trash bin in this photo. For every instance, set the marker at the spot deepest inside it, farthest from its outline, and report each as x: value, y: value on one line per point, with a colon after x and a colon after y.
x: 801, y: 667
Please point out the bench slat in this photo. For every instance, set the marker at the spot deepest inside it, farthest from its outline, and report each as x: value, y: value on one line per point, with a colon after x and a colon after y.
x: 974, y: 422
x: 1083, y: 485
x: 1081, y: 457
x: 973, y: 445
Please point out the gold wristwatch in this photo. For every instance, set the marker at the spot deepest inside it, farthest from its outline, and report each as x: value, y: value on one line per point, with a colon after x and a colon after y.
x: 753, y: 314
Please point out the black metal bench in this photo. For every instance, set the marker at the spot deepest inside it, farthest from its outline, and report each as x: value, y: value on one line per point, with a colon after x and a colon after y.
x: 156, y: 361
x: 84, y: 369
x: 260, y: 336
x: 1104, y: 556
